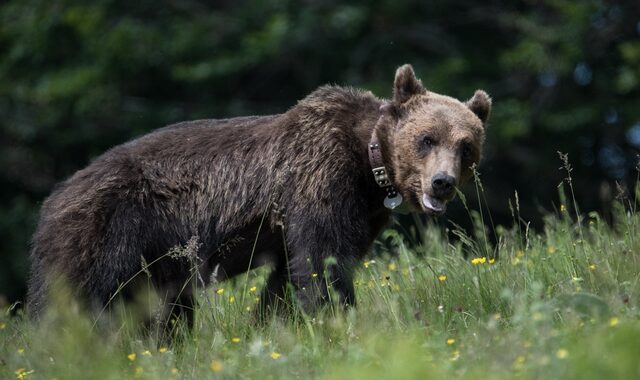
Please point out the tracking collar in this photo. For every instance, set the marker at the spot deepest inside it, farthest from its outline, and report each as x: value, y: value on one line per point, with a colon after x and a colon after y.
x: 380, y: 173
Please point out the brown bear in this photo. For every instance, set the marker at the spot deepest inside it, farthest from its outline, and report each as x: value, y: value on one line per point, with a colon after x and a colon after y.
x: 292, y: 190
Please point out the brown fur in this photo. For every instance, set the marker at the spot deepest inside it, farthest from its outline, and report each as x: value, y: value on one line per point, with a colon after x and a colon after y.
x: 297, y: 186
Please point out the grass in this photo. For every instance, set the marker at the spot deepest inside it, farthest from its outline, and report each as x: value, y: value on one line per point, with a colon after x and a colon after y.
x: 558, y: 304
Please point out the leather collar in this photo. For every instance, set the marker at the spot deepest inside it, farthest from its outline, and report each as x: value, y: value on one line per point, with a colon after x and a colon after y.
x: 381, y: 174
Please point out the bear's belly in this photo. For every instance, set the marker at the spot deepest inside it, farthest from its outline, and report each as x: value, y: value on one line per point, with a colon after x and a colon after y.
x: 244, y: 250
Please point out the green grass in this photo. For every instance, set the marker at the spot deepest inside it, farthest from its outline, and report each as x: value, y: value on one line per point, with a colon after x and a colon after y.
x: 559, y: 304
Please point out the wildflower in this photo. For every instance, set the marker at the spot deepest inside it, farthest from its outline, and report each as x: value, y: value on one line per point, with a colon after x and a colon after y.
x: 392, y: 267
x: 478, y: 260
x: 491, y: 261
x: 519, y: 362
x: 146, y: 353
x: 563, y: 208
x: 232, y: 299
x: 613, y: 322
x: 442, y: 278
x: 22, y: 373
x: 220, y: 291
x: 162, y: 350
x: 551, y: 249
x: 235, y: 340
x: 314, y: 275
x: 592, y: 267
x: 21, y: 351
x: 253, y: 289
x: 174, y: 371
x: 455, y: 355
x: 248, y: 308
x: 450, y: 341
x: 131, y: 356
x: 537, y: 316
x: 2, y: 326
x: 275, y: 355
x: 367, y: 263
x: 562, y: 353
x: 216, y: 366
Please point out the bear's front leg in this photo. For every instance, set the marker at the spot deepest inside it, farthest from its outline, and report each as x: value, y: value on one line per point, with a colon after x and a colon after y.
x: 322, y: 256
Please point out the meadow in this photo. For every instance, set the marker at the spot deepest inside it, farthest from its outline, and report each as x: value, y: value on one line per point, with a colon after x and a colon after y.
x: 559, y: 303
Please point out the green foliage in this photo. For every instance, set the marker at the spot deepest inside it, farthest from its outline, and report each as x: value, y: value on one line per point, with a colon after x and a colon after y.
x: 564, y: 305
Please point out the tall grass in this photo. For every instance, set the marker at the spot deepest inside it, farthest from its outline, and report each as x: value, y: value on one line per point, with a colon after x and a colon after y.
x: 559, y: 303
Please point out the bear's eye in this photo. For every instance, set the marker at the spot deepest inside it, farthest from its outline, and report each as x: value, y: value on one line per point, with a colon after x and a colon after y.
x: 427, y: 142
x: 466, y: 152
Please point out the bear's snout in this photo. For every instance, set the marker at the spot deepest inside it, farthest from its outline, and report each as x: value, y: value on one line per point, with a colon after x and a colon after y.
x: 443, y: 185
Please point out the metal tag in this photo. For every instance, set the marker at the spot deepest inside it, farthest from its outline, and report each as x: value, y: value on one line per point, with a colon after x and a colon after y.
x: 393, y: 202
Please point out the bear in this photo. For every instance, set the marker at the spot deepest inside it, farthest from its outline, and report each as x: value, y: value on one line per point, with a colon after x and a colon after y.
x: 306, y: 191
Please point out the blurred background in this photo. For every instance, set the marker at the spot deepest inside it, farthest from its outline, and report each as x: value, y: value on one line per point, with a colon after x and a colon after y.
x: 79, y: 77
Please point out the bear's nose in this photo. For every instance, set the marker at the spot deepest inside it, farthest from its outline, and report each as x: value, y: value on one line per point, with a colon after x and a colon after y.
x: 443, y: 185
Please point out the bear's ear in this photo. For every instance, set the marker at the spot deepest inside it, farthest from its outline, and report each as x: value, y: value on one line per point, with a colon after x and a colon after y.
x: 406, y: 85
x: 480, y: 104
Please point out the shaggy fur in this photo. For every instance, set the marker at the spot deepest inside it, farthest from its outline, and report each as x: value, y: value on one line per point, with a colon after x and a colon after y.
x: 297, y: 186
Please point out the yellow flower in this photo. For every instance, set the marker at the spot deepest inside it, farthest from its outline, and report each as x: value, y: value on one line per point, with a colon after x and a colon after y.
x: 162, y: 350
x: 22, y: 373
x: 146, y: 353
x: 2, y: 326
x: 248, y: 308
x: 21, y: 351
x: 491, y: 261
x: 232, y: 299
x: 275, y: 355
x: 442, y: 278
x: 479, y: 260
x: 563, y: 208
x: 174, y: 371
x: 392, y: 267
x: 519, y: 362
x: 551, y: 249
x: 592, y: 267
x: 314, y: 275
x: 253, y: 289
x: 216, y: 366
x: 562, y: 353
x: 455, y: 355
x: 613, y: 322
x: 131, y: 356
x: 220, y: 291
x: 235, y: 340
x: 450, y: 341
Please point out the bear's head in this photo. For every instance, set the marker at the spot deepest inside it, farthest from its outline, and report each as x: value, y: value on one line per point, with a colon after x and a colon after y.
x: 432, y: 141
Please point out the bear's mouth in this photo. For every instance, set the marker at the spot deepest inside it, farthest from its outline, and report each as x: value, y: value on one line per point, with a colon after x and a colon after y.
x: 433, y: 205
